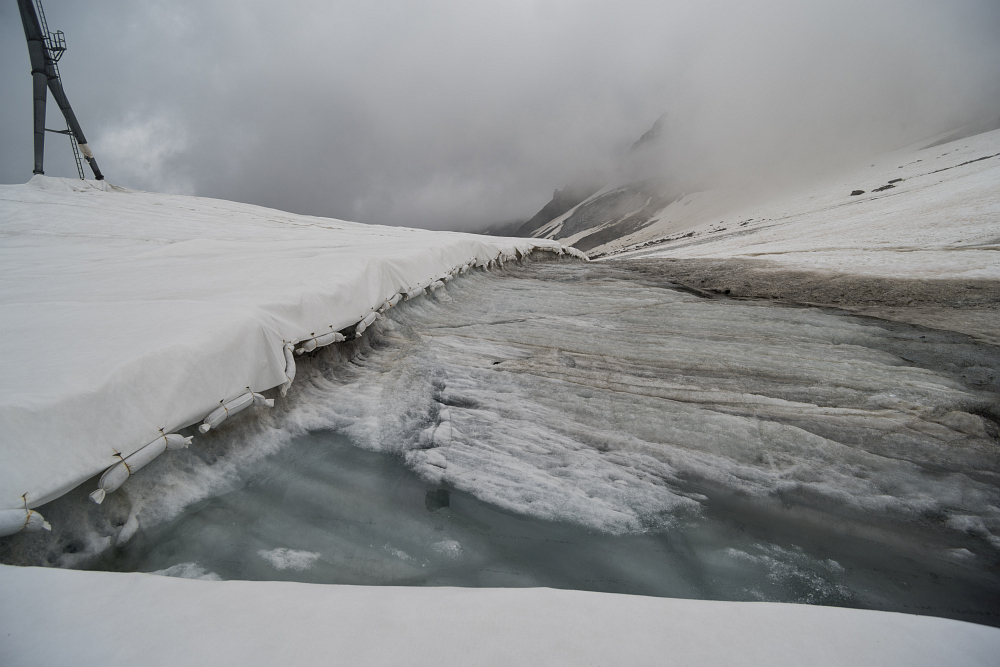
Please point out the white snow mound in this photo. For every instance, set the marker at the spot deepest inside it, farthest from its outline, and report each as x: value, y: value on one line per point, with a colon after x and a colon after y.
x: 153, y: 620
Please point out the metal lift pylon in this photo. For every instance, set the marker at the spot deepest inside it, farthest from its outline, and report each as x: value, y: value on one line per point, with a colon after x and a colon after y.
x: 45, y: 49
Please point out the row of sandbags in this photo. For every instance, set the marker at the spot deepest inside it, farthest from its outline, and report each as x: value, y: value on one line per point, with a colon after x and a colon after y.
x: 117, y: 474
x: 16, y: 520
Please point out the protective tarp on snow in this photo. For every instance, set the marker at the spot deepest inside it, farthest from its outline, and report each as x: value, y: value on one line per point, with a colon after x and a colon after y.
x: 128, y: 314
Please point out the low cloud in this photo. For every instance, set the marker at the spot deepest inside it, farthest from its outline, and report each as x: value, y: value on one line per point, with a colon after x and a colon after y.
x: 459, y: 114
x: 148, y: 154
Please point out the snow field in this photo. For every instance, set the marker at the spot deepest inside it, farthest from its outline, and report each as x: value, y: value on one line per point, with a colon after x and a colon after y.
x: 154, y: 310
x: 925, y: 212
x: 157, y: 620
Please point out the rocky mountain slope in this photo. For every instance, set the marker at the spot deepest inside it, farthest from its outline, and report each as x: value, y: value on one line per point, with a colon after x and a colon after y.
x: 636, y: 211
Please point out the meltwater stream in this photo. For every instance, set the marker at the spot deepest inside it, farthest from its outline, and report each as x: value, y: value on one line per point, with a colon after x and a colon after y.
x: 577, y: 426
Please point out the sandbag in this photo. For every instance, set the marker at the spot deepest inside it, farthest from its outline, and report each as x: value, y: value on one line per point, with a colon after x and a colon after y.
x: 289, y: 368
x: 116, y: 475
x: 178, y: 441
x: 306, y: 346
x: 434, y: 285
x: 112, y: 478
x: 320, y: 341
x: 221, y: 413
x: 389, y: 303
x: 14, y: 521
x: 327, y: 339
x: 130, y: 528
x: 36, y: 522
x: 365, y: 323
x: 412, y: 294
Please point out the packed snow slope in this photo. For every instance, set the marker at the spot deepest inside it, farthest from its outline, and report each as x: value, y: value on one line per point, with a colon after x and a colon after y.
x: 126, y: 315
x: 121, y: 619
x: 921, y: 212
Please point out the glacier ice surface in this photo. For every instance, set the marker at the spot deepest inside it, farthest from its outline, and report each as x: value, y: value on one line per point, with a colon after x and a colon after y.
x: 569, y: 426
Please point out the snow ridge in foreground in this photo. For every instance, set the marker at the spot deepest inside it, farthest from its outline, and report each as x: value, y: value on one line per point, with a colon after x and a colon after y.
x: 172, y: 621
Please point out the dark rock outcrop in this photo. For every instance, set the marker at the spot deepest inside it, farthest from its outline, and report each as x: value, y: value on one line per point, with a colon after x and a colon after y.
x: 562, y: 201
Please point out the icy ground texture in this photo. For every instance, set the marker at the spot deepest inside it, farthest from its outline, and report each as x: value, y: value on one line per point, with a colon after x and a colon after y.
x: 126, y: 312
x: 573, y: 393
x: 322, y: 510
x: 595, y: 433
x: 571, y: 397
x: 929, y: 212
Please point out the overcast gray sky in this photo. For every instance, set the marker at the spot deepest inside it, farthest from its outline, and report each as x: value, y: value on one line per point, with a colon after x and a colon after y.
x: 458, y: 114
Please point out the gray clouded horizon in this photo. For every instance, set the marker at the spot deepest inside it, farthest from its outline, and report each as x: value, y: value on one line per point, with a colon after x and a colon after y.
x: 460, y: 114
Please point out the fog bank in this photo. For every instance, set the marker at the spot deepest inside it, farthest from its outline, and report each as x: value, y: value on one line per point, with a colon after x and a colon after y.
x: 456, y: 115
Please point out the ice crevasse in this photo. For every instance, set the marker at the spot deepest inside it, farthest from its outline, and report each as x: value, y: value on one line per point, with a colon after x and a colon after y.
x: 163, y: 311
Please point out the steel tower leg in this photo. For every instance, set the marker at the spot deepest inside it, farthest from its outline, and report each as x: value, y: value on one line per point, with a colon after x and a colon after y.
x: 39, y: 77
x: 45, y: 75
x: 40, y: 93
x: 55, y: 85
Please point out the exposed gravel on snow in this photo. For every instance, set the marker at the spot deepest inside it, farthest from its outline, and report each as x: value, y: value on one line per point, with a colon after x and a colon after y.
x: 968, y: 306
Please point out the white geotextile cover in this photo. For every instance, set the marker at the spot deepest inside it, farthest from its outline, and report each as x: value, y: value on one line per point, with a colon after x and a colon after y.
x: 54, y: 617
x: 123, y: 313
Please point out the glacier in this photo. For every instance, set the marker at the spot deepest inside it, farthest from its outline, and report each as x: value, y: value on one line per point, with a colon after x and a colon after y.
x: 486, y: 430
x: 708, y: 448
